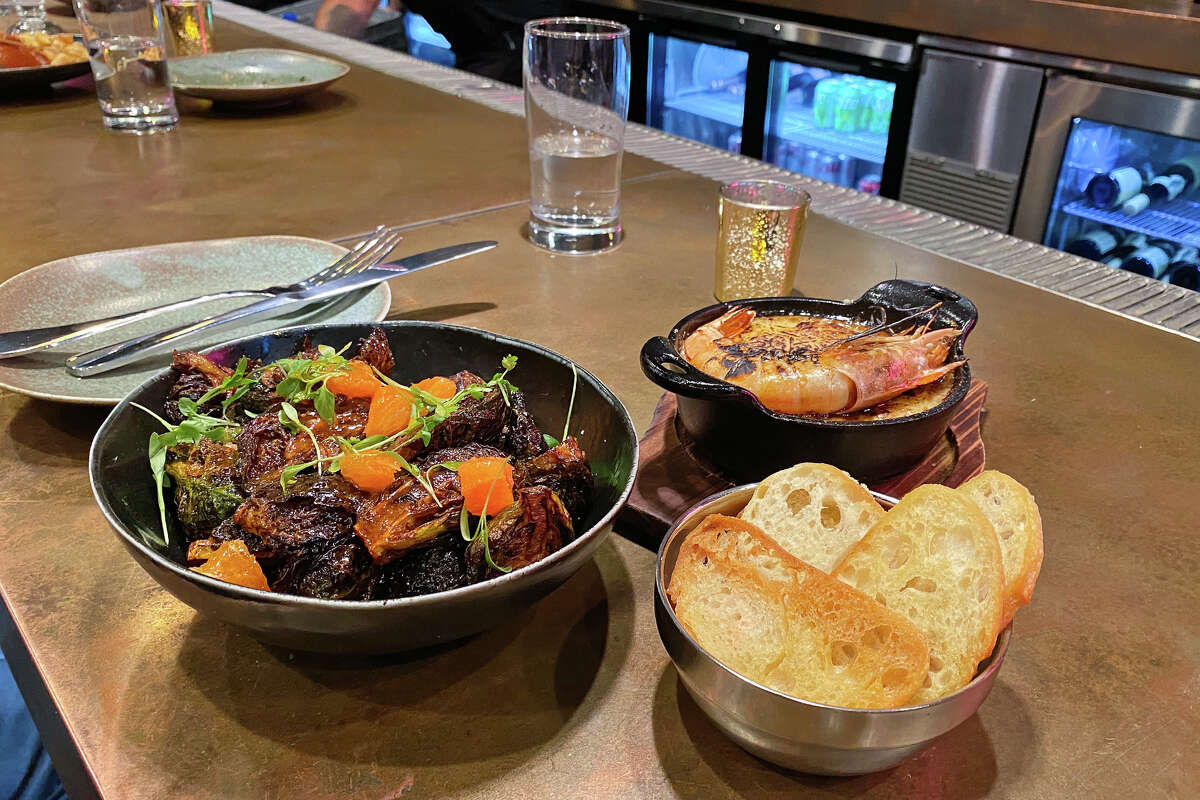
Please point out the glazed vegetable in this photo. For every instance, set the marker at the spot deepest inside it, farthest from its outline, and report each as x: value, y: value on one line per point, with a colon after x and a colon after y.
x: 321, y: 475
x: 204, y: 492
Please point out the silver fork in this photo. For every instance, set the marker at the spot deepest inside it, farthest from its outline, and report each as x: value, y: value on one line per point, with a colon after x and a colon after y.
x: 16, y: 343
x: 357, y: 272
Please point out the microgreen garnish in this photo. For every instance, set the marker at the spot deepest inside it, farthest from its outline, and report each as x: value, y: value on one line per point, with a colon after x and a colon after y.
x: 551, y: 442
x: 481, y: 528
x: 290, y: 419
x: 234, y: 386
x: 498, y: 380
x: 304, y: 379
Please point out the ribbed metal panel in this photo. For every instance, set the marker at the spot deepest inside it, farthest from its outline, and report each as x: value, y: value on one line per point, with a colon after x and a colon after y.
x: 939, y: 185
x: 1169, y: 307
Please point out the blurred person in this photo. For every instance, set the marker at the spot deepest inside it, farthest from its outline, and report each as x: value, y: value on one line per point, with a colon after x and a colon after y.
x: 25, y: 770
x: 485, y: 35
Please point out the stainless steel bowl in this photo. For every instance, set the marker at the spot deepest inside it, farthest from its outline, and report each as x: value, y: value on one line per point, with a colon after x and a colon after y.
x: 123, y: 487
x: 794, y: 733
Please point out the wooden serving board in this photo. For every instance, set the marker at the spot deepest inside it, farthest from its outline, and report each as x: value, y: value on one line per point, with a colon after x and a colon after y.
x: 671, y: 479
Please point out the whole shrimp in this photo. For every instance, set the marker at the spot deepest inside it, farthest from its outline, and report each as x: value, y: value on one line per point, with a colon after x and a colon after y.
x: 807, y: 368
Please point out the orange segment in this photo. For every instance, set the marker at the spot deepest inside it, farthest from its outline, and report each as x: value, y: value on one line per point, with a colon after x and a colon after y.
x: 233, y: 563
x: 479, y: 476
x: 371, y: 470
x: 358, y: 381
x: 391, y: 411
x: 441, y: 388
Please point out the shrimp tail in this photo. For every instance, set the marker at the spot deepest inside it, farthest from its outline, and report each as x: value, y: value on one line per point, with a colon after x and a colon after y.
x: 733, y: 321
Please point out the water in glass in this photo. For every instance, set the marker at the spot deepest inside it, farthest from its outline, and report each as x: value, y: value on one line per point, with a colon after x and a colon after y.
x: 575, y: 179
x: 576, y: 101
x: 131, y: 82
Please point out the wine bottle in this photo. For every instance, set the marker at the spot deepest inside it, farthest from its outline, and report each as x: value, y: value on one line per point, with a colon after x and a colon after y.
x: 1095, y: 244
x: 1151, y: 260
x: 1128, y: 246
x: 1185, y: 273
x: 1177, y: 179
x: 1112, y: 190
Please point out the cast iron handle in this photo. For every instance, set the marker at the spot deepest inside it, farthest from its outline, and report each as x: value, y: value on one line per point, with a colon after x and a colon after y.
x: 909, y: 295
x: 663, y: 365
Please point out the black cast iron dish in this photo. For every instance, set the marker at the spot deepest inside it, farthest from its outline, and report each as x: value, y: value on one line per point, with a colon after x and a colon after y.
x: 122, y: 483
x: 730, y: 428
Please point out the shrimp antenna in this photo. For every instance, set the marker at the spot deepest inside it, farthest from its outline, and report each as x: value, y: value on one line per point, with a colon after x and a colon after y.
x: 886, y: 325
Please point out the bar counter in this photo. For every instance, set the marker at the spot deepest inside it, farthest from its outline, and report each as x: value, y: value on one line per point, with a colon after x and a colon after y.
x: 138, y: 696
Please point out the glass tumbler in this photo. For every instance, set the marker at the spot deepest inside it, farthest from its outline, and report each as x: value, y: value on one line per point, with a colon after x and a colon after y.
x: 31, y: 17
x: 758, y: 239
x: 576, y: 75
x: 125, y: 43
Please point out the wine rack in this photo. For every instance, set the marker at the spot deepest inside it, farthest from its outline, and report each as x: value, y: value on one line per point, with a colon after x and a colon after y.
x: 1177, y: 220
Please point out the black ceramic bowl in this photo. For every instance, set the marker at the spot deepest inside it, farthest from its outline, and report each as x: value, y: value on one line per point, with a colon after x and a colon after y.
x: 728, y: 427
x: 124, y: 489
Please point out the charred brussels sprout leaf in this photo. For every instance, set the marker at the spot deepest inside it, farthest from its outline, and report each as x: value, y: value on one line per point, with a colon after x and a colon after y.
x: 201, y: 503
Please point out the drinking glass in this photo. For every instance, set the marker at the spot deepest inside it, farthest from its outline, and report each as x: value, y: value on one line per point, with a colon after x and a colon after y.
x: 758, y: 239
x: 31, y: 17
x: 189, y: 24
x: 129, y: 62
x: 576, y: 74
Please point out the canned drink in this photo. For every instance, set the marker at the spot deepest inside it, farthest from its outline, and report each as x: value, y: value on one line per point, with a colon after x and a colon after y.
x: 881, y: 108
x: 735, y: 142
x: 845, y: 170
x: 827, y: 169
x: 812, y: 160
x: 823, y: 102
x: 845, y: 108
x: 795, y: 157
x: 869, y: 184
x: 867, y: 106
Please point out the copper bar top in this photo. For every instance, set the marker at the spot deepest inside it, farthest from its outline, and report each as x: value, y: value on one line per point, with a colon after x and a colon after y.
x: 1155, y: 34
x: 369, y: 150
x: 576, y: 697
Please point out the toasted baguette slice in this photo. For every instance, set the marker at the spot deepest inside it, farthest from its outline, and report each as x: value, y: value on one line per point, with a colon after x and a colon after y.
x: 816, y: 512
x: 936, y: 559
x: 1010, y: 508
x: 787, y: 625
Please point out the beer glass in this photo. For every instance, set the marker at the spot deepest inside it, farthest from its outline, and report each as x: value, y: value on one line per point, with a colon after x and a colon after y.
x: 189, y: 25
x: 761, y: 228
x: 576, y: 75
x: 125, y: 44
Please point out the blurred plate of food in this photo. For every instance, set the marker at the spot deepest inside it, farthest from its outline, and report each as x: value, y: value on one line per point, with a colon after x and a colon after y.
x: 104, y: 284
x: 255, y: 76
x: 40, y: 59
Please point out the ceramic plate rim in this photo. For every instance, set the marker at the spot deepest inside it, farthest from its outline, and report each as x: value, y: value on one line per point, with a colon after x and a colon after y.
x: 344, y: 69
x: 104, y: 401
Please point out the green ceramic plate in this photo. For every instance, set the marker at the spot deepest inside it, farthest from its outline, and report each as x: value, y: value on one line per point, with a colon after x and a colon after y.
x: 262, y: 76
x: 118, y: 281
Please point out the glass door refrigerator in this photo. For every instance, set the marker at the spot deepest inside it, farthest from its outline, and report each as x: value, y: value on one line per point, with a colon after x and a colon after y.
x: 835, y: 124
x: 833, y: 105
x: 1114, y: 175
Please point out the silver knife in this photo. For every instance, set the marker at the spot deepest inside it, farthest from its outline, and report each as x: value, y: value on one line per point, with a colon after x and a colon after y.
x: 104, y: 359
